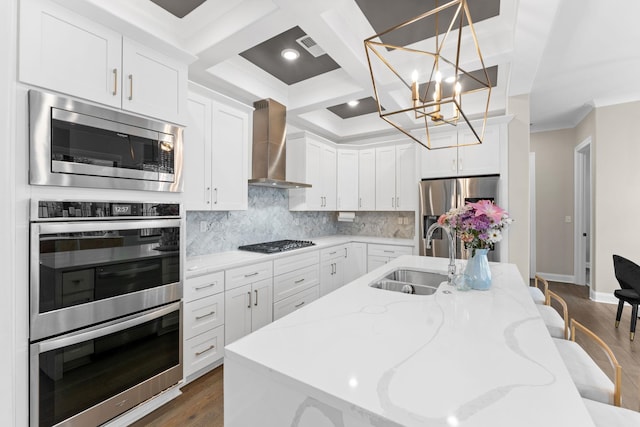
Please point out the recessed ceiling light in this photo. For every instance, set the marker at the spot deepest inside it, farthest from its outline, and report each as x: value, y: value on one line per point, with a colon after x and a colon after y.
x: 290, y: 54
x: 353, y: 103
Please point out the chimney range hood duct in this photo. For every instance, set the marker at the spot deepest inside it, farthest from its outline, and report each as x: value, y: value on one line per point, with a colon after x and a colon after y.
x: 269, y: 159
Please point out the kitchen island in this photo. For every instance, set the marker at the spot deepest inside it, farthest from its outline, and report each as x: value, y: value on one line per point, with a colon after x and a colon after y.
x: 362, y: 356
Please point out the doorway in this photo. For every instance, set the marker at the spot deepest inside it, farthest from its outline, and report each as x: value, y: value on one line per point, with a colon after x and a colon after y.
x: 582, y: 212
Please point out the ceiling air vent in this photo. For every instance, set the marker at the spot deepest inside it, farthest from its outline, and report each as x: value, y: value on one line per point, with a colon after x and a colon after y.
x: 310, y: 46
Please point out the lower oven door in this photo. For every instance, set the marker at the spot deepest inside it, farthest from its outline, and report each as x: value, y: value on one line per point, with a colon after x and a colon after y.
x: 91, y: 376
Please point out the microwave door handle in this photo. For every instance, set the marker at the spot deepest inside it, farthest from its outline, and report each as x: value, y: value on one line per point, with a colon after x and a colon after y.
x: 102, y: 330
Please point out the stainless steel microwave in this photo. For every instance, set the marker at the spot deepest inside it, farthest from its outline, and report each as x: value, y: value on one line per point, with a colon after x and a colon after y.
x: 81, y: 145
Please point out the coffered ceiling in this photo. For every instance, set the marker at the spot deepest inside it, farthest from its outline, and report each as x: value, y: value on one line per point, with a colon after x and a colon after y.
x: 569, y: 55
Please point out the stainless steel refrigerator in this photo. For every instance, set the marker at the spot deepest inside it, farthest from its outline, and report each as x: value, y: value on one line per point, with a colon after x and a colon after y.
x: 437, y: 196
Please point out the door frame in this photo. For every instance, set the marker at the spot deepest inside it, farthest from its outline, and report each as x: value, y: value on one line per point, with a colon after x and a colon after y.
x: 532, y: 215
x: 579, y: 187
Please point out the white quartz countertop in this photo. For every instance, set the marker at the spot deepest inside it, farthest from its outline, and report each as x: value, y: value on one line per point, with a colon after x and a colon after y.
x: 204, y: 264
x: 475, y: 358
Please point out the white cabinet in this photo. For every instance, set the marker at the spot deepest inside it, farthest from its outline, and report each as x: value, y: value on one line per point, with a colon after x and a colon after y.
x: 356, y: 261
x: 367, y: 179
x: 296, y: 282
x: 68, y: 53
x: 314, y: 162
x: 203, y: 326
x: 478, y: 159
x: 217, y: 139
x: 347, y: 185
x: 378, y: 255
x: 396, y: 183
x: 332, y: 268
x: 248, y: 299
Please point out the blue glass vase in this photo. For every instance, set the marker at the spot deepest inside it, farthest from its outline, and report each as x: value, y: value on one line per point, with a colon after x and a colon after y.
x: 477, y: 270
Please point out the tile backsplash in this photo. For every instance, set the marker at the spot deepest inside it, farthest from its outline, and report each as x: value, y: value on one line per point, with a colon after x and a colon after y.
x: 268, y: 218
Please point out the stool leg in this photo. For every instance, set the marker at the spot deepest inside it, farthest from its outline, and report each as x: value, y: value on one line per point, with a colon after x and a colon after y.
x: 634, y: 318
x: 619, y: 313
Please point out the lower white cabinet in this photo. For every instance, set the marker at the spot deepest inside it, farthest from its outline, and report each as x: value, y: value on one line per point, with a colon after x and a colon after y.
x: 332, y: 268
x: 378, y: 255
x: 248, y: 308
x: 356, y: 261
x: 203, y: 324
x: 294, y: 302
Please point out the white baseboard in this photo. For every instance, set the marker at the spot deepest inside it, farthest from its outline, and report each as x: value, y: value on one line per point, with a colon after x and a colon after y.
x: 145, y: 408
x: 564, y: 278
x: 606, y: 297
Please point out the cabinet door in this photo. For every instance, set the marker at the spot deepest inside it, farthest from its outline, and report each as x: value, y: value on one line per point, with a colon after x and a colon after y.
x: 68, y: 53
x: 406, y: 179
x: 326, y: 277
x: 261, y: 304
x: 328, y: 174
x: 230, y: 139
x: 482, y: 158
x: 375, y: 261
x: 154, y: 84
x: 356, y: 264
x: 386, y: 179
x: 339, y: 275
x: 237, y: 313
x: 314, y: 195
x: 347, y: 180
x: 442, y: 162
x: 367, y: 180
x: 197, y: 140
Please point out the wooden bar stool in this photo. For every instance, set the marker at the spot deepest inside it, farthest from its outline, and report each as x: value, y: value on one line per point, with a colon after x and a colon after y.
x: 558, y: 325
x: 539, y: 295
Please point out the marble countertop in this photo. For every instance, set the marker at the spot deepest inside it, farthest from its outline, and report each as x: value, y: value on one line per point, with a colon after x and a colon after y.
x: 475, y: 358
x: 204, y: 264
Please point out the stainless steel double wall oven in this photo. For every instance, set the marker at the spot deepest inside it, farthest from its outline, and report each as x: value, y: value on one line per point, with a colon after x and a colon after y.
x: 105, y: 308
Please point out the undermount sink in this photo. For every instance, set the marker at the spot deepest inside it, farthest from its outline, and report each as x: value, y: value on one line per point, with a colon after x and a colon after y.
x: 411, y: 282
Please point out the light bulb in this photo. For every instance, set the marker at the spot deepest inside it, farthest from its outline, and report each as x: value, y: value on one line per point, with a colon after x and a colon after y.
x: 290, y: 54
x: 438, y: 77
x: 414, y: 76
x: 458, y: 88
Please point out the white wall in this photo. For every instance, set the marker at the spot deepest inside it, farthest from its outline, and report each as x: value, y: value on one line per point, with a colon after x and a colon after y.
x: 8, y: 356
x: 616, y: 176
x: 519, y: 183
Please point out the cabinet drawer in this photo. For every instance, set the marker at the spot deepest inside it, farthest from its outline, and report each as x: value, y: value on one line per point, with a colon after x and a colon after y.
x: 203, y: 314
x: 295, y: 262
x: 241, y: 276
x: 294, y: 302
x: 203, y: 286
x: 291, y: 283
x: 203, y: 350
x: 333, y: 253
x: 389, y: 250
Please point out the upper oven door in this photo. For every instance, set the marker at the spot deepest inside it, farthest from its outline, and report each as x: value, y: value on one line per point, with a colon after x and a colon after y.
x: 82, y: 145
x: 87, y: 272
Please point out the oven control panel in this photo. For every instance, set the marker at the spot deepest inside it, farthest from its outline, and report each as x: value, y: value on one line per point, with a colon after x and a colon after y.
x: 48, y: 210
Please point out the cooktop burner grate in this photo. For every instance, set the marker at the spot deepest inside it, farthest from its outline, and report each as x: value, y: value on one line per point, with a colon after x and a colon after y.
x: 276, y: 246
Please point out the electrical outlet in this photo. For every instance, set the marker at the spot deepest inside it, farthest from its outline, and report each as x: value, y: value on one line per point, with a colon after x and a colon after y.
x: 204, y: 226
x: 400, y: 220
x: 405, y: 220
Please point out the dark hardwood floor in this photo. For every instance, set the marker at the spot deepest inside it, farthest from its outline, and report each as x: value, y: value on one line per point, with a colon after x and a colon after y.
x: 201, y: 403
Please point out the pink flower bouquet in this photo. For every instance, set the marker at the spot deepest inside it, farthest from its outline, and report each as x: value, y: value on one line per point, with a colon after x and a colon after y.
x: 479, y: 225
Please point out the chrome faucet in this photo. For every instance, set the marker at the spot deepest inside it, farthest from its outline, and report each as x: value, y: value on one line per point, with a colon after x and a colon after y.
x: 452, y: 248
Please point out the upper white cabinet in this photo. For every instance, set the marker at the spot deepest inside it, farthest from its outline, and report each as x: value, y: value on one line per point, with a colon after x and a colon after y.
x: 347, y: 186
x: 396, y: 183
x: 312, y: 161
x: 479, y: 159
x: 367, y: 179
x: 216, y: 141
x: 68, y: 53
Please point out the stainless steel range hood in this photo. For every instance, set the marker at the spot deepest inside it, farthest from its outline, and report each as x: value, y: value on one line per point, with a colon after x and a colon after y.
x: 269, y: 160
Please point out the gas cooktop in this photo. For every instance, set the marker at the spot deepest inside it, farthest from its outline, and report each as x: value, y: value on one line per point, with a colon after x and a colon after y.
x: 277, y: 246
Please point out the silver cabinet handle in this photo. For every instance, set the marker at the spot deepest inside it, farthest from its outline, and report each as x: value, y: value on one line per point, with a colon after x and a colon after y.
x: 397, y: 202
x: 249, y: 306
x: 210, y: 285
x: 252, y: 274
x: 299, y: 305
x: 390, y: 252
x: 459, y: 164
x: 360, y: 202
x: 215, y: 200
x: 333, y: 253
x: 211, y: 347
x: 453, y: 164
x: 346, y: 254
x: 115, y: 81
x: 256, y: 303
x: 299, y: 281
x: 392, y: 201
x: 130, y: 87
x: 208, y: 195
x: 205, y: 315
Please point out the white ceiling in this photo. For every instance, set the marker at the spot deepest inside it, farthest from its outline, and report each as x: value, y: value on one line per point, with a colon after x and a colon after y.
x: 570, y: 55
